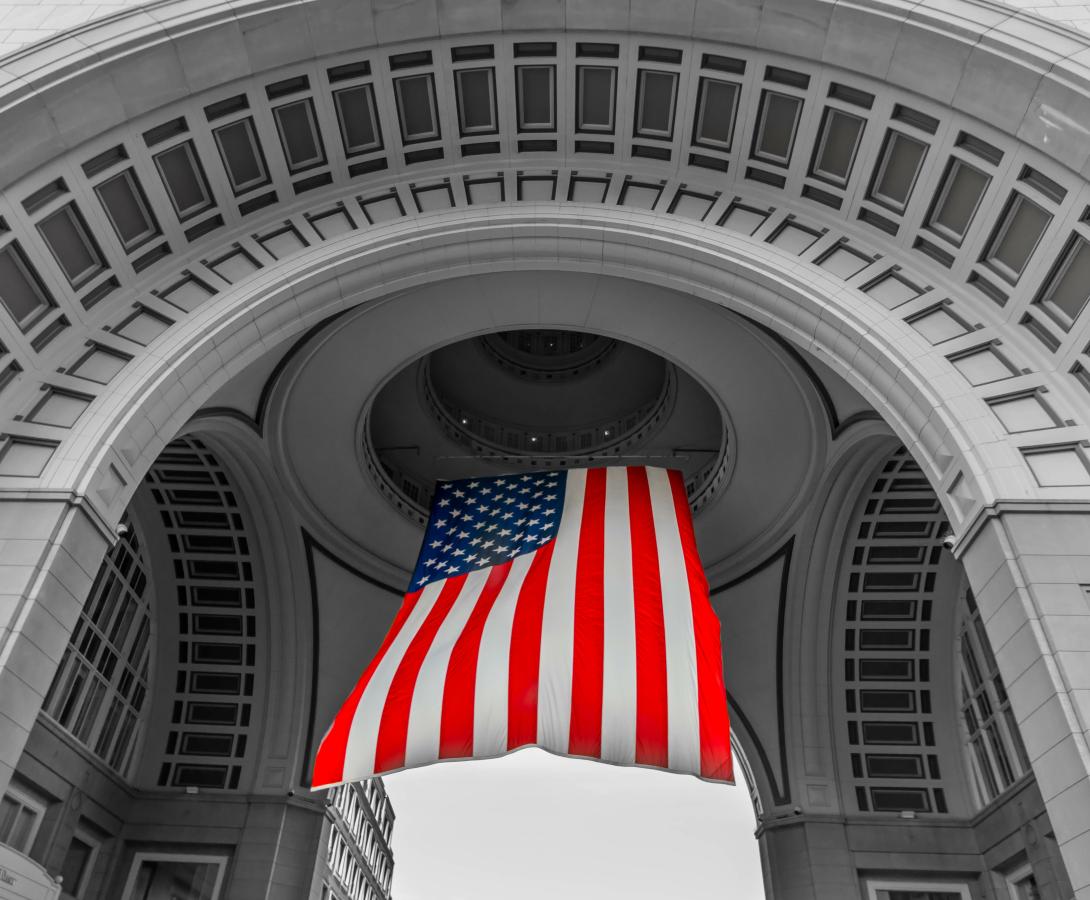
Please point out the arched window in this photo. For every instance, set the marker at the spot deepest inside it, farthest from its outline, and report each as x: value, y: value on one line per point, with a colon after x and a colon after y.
x: 100, y: 688
x: 997, y: 757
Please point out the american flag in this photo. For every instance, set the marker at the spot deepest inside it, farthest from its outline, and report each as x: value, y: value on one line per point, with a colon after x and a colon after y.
x: 563, y: 610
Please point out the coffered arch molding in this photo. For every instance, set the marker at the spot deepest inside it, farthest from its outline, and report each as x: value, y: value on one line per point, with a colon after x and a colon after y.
x: 886, y: 361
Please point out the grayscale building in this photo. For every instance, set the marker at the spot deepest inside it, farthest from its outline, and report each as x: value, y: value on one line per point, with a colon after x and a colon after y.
x: 267, y: 270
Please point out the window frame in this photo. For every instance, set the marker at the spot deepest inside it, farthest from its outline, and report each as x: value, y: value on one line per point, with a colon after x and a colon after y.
x: 143, y: 856
x: 153, y: 230
x: 79, y: 224
x: 884, y: 155
x: 1055, y: 274
x: 823, y: 137
x: 321, y: 157
x: 701, y: 111
x: 999, y: 232
x: 638, y: 128
x: 1013, y: 877
x: 258, y: 181
x: 946, y: 183
x: 37, y: 284
x: 874, y: 886
x: 190, y: 150
x: 756, y: 152
x: 36, y: 806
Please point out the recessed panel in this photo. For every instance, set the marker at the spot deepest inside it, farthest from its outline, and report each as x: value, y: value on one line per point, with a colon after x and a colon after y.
x: 21, y: 290
x: 957, y: 201
x: 358, y: 120
x: 299, y: 135
x: 127, y: 209
x: 416, y: 108
x: 898, y: 167
x: 595, y: 98
x: 837, y: 144
x: 1016, y: 237
x: 1068, y: 287
x: 536, y: 90
x: 184, y: 180
x: 476, y: 90
x: 776, y: 126
x: 71, y: 243
x: 655, y: 98
x: 716, y: 109
x: 241, y: 155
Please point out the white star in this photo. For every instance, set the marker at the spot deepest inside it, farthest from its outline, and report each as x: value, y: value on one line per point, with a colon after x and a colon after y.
x: 459, y: 553
x: 504, y: 532
x: 435, y: 544
x: 462, y: 535
x: 444, y: 502
x: 444, y: 485
x: 501, y: 549
x: 473, y: 485
x: 533, y: 522
x: 423, y: 580
x: 549, y: 512
x: 487, y: 544
x: 452, y: 569
x: 459, y: 493
x: 475, y: 542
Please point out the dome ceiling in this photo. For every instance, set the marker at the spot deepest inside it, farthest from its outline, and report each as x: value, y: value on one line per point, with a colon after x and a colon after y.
x: 542, y: 399
x: 719, y: 399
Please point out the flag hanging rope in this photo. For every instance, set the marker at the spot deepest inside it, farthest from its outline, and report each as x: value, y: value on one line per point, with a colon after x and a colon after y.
x: 562, y: 610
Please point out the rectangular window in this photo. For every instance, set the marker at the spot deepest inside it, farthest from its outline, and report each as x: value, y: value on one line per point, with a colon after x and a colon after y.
x: 20, y: 817
x: 182, y: 175
x: 656, y: 95
x: 299, y: 135
x: 476, y: 90
x: 596, y: 94
x: 241, y: 155
x: 777, y: 123
x: 898, y: 168
x: 127, y: 209
x: 916, y: 890
x: 161, y: 874
x: 834, y: 155
x: 416, y: 108
x: 21, y: 290
x: 68, y: 238
x: 716, y: 110
x: 957, y: 201
x: 536, y: 96
x: 358, y: 119
x: 1067, y: 288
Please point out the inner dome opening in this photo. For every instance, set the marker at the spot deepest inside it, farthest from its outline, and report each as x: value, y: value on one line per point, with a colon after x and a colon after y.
x: 541, y: 399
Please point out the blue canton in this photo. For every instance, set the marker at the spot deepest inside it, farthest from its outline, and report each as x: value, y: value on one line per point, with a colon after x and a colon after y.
x: 481, y: 522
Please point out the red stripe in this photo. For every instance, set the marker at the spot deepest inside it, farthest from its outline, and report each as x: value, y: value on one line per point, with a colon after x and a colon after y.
x: 715, y: 757
x: 460, y: 687
x: 394, y: 725
x: 652, y: 713
x: 588, y: 645
x: 329, y: 760
x: 525, y: 660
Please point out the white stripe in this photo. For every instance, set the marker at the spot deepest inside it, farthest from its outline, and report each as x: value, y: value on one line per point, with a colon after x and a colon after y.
x: 677, y: 613
x: 558, y: 622
x: 619, y: 613
x: 359, y: 756
x: 426, y: 710
x: 493, y: 663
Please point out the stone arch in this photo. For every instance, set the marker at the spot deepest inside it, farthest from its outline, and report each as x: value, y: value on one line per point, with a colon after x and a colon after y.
x: 956, y: 348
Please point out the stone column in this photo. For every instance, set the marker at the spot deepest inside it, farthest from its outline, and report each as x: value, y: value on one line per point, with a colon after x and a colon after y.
x: 277, y: 851
x: 1029, y: 568
x: 807, y: 860
x: 50, y: 551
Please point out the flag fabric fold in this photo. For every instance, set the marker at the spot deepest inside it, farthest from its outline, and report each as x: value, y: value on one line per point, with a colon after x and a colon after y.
x: 562, y: 610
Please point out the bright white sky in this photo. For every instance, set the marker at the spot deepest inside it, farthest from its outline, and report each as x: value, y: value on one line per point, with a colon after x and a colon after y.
x: 537, y: 827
